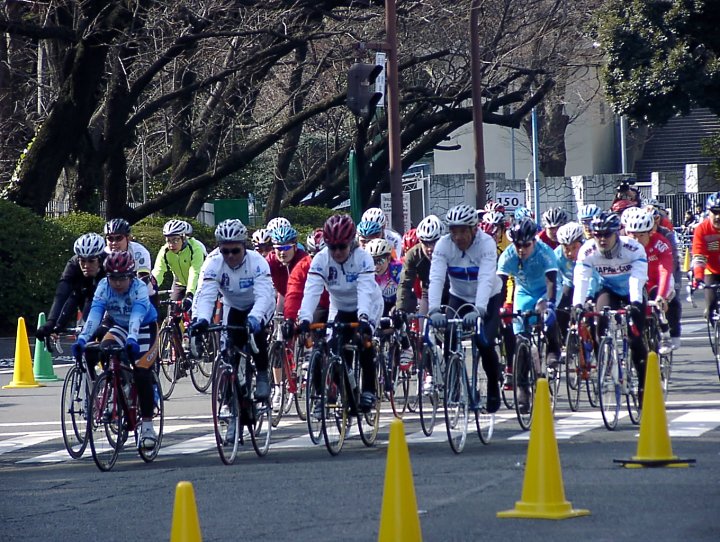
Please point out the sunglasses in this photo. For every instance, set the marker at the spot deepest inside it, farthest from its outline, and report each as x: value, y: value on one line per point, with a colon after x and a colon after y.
x: 715, y: 210
x: 528, y: 244
x: 283, y: 248
x: 340, y: 246
x: 233, y: 251
x: 380, y: 260
x: 603, y: 234
x: 84, y: 261
x: 115, y: 238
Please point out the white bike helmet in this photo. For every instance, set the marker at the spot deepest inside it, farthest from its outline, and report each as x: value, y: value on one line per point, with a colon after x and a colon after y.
x: 570, y: 232
x: 230, y: 230
x: 640, y: 221
x: 378, y: 247
x: 261, y: 237
x: 493, y: 217
x: 430, y: 229
x: 462, y: 215
x: 90, y: 245
x: 175, y: 227
x: 276, y: 223
x: 374, y: 214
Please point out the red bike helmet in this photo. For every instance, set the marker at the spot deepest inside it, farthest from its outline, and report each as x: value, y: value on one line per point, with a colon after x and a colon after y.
x: 120, y: 264
x: 488, y: 227
x: 409, y: 240
x: 620, y: 205
x: 339, y: 230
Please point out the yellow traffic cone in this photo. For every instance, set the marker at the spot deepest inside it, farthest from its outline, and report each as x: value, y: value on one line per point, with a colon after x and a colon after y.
x: 185, y: 523
x: 654, y: 447
x: 23, y: 370
x: 686, y: 261
x: 399, y: 520
x: 543, y: 494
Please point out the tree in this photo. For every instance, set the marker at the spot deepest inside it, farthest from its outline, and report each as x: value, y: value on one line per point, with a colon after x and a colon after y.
x: 662, y: 57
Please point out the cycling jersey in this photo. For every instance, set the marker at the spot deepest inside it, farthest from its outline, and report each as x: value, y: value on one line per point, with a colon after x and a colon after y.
x: 143, y: 261
x: 706, y: 249
x: 248, y: 287
x: 351, y: 285
x: 623, y: 270
x: 185, y: 265
x: 660, y: 266
x: 74, y: 292
x: 281, y: 272
x: 416, y: 268
x: 529, y: 273
x: 296, y: 287
x: 395, y: 239
x: 130, y: 310
x: 472, y: 273
x: 388, y: 283
x: 545, y: 238
x: 566, y: 269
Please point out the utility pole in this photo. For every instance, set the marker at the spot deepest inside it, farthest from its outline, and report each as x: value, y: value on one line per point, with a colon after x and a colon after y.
x: 393, y: 110
x: 480, y: 196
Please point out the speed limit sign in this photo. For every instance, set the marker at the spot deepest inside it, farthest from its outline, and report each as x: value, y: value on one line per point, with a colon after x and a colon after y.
x: 511, y: 200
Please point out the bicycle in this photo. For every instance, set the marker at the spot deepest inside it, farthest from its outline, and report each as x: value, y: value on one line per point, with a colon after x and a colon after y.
x: 655, y: 318
x: 396, y: 377
x: 713, y: 322
x: 430, y: 389
x: 616, y: 371
x: 234, y: 406
x: 179, y: 355
x: 114, y: 409
x: 505, y: 368
x: 281, y: 356
x: 580, y: 366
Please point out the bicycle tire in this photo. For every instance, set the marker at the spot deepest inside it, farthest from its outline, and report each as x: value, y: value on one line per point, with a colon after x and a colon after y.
x: 299, y: 397
x: 666, y: 372
x: 456, y: 403
x: 608, y: 383
x: 484, y: 421
x: 383, y: 364
x: 716, y: 349
x: 168, y: 358
x: 74, y: 404
x: 506, y: 378
x: 369, y: 422
x: 105, y: 424
x: 524, y: 376
x: 632, y: 397
x: 202, y: 367
x: 573, y: 373
x: 226, y: 423
x: 414, y: 384
x: 428, y: 402
x: 335, y: 411
x: 313, y: 397
x: 553, y: 375
x: 276, y: 359
x: 159, y: 417
x: 261, y: 428
x: 398, y: 401
x: 713, y: 337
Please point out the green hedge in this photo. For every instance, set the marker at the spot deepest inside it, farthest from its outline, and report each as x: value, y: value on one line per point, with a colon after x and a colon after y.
x: 78, y: 224
x: 33, y: 253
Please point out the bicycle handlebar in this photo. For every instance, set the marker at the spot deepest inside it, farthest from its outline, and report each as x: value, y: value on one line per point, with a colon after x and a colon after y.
x: 226, y: 327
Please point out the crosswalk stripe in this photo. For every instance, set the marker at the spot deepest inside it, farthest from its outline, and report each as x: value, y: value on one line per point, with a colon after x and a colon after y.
x: 694, y: 423
x: 13, y: 444
x: 575, y: 424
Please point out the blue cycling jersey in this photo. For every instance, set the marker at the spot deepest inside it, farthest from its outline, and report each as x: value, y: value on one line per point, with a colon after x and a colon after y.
x: 565, y: 275
x: 529, y: 273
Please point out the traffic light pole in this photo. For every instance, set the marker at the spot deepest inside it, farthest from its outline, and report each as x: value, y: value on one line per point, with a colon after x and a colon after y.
x: 480, y: 195
x: 393, y: 106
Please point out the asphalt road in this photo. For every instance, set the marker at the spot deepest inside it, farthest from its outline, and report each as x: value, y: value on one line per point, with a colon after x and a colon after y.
x: 298, y: 492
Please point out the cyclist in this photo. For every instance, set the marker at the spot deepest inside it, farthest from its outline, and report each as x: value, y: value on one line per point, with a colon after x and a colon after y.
x: 123, y: 299
x: 119, y: 238
x: 467, y: 256
x: 706, y: 253
x: 387, y: 271
x: 347, y: 272
x: 622, y: 264
x: 262, y: 242
x: 375, y: 214
x: 585, y: 215
x: 77, y: 284
x: 409, y: 240
x: 296, y: 286
x: 188, y: 234
x: 534, y: 267
x: 284, y: 257
x: 183, y: 256
x: 552, y: 219
x: 640, y: 225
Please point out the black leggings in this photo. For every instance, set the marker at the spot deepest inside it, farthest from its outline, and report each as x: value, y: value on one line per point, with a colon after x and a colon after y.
x: 238, y: 317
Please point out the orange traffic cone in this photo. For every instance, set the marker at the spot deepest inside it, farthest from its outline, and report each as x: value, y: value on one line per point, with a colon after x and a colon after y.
x: 543, y: 494
x: 22, y: 371
x: 399, y: 520
x: 654, y: 447
x: 185, y: 523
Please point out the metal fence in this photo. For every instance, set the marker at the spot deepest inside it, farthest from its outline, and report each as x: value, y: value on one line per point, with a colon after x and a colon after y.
x: 682, y: 201
x: 57, y: 208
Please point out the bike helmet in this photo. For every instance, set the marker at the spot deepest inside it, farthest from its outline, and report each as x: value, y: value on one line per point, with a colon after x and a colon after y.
x: 605, y: 222
x: 494, y: 218
x: 276, y: 223
x: 409, y: 240
x: 462, y: 215
x: 374, y: 214
x: 587, y: 212
x: 430, y: 229
x: 494, y: 207
x: 554, y: 217
x: 120, y: 264
x: 523, y: 231
x: 175, y: 227
x: 283, y: 235
x: 230, y: 230
x: 261, y: 237
x: 315, y: 242
x: 379, y: 247
x: 640, y: 221
x: 118, y: 226
x: 90, y: 245
x: 339, y: 230
x: 620, y: 205
x: 188, y: 228
x: 522, y: 212
x: 489, y: 228
x: 570, y: 232
x: 368, y: 228
x: 627, y: 214
x: 713, y: 202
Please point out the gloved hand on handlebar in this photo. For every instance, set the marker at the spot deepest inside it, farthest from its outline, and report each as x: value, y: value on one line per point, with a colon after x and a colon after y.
x: 254, y: 324
x: 304, y: 327
x: 437, y: 319
x: 187, y: 302
x: 45, y: 330
x: 470, y: 319
x: 78, y: 347
x: 198, y: 327
x: 364, y: 328
x: 133, y: 348
x: 288, y: 328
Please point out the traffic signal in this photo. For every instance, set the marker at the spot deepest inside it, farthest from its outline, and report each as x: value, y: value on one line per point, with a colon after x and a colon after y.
x: 361, y: 96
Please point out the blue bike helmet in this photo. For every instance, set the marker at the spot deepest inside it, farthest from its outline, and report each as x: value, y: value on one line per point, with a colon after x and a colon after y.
x: 368, y: 228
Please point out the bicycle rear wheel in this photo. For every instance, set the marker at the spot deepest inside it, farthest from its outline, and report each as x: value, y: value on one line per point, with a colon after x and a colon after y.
x: 573, y: 374
x: 74, y: 412
x: 428, y: 399
x: 335, y: 409
x: 169, y: 357
x: 524, y: 388
x: 105, y: 424
x: 414, y: 383
x: 665, y: 372
x: 202, y: 367
x: 608, y: 383
x: 225, y: 411
x: 633, y: 397
x: 369, y: 422
x: 713, y: 336
x: 158, y: 416
x: 276, y: 359
x: 301, y: 383
x: 313, y: 397
x: 456, y: 403
x: 484, y: 421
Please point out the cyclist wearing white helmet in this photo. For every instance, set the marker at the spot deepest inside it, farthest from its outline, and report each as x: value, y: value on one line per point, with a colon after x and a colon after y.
x: 77, y: 284
x: 243, y: 278
x: 183, y: 257
x: 552, y: 219
x: 467, y: 256
x: 262, y: 242
x: 375, y: 214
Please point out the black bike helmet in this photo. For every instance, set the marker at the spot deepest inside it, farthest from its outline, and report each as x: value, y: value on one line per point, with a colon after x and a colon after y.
x: 523, y: 231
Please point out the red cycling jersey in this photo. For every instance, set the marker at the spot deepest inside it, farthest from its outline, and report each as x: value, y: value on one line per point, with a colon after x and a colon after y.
x: 543, y: 236
x: 660, y: 265
x: 706, y: 249
x: 296, y: 287
x: 281, y: 272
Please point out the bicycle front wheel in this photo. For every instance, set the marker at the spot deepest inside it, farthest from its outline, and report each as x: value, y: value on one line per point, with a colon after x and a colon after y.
x: 301, y: 383
x: 261, y: 429
x: 608, y: 383
x: 456, y: 403
x: 169, y: 357
x: 632, y: 398
x: 715, y: 342
x: 335, y: 408
x: 74, y: 412
x: 484, y: 421
x: 665, y: 372
x: 276, y: 360
x: 524, y: 389
x: 369, y: 422
x: 428, y: 396
x: 225, y: 411
x: 208, y: 346
x: 158, y: 418
x: 313, y: 396
x: 105, y: 424
x: 573, y: 374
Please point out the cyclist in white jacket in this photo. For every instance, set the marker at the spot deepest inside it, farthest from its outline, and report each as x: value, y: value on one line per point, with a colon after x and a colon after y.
x: 468, y: 256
